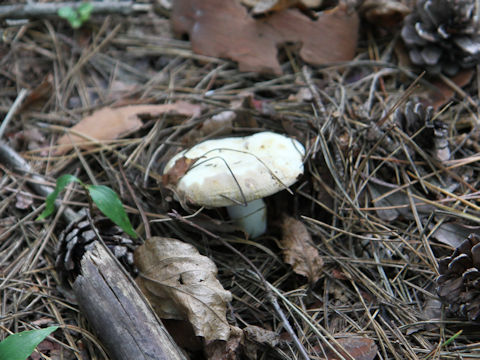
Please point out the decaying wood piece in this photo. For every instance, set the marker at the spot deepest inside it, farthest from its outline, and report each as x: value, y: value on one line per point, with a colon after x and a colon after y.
x: 119, y: 314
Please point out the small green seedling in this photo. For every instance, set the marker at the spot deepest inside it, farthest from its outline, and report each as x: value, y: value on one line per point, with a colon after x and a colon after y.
x: 105, y: 198
x: 20, y: 346
x: 76, y: 16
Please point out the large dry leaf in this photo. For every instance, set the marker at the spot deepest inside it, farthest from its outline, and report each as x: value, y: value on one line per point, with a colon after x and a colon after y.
x: 223, y: 28
x: 113, y: 123
x: 298, y: 249
x: 181, y: 284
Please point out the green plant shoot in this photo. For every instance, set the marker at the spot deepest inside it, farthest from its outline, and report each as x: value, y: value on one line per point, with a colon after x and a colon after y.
x: 78, y: 16
x: 105, y: 198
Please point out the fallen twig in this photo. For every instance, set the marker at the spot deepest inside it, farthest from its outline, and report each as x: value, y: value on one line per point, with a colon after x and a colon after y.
x: 14, y: 161
x: 13, y: 109
x: 35, y: 10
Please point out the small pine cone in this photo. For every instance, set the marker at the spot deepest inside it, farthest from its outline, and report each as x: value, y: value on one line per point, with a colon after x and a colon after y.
x: 458, y: 285
x: 442, y: 36
x: 412, y: 118
x: 78, y: 236
x: 430, y: 134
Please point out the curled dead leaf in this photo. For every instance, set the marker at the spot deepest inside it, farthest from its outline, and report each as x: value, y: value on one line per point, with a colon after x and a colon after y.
x: 113, y: 123
x: 298, y: 249
x: 181, y: 284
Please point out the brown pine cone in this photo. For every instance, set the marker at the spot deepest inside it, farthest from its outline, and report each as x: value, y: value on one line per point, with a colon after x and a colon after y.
x: 412, y: 118
x: 430, y: 135
x: 79, y: 235
x: 443, y: 35
x: 458, y: 285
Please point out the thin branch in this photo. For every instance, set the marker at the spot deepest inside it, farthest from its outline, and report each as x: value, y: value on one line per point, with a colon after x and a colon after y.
x: 35, y: 10
x: 13, y: 109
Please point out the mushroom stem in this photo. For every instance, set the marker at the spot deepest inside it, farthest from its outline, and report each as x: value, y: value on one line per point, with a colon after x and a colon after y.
x: 251, y: 218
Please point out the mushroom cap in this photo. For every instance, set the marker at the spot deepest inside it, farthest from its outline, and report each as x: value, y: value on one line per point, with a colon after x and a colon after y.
x: 234, y: 171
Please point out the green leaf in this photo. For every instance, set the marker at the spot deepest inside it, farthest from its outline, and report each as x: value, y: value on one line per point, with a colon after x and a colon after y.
x: 20, y: 346
x: 67, y: 12
x: 84, y: 11
x: 62, y: 181
x: 75, y: 22
x: 110, y: 205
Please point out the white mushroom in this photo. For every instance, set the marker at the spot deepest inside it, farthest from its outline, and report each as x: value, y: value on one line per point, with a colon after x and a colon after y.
x: 238, y: 173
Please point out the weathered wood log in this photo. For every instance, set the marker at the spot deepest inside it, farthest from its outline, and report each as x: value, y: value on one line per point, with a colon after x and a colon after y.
x: 120, y: 315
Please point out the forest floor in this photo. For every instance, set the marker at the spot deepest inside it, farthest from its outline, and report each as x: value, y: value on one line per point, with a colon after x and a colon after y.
x: 350, y: 255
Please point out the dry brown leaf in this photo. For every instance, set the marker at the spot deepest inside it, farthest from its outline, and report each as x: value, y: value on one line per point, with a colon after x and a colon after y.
x: 357, y: 347
x: 442, y: 93
x: 231, y: 349
x: 261, y: 336
x: 40, y: 94
x: 176, y: 172
x: 298, y: 249
x: 110, y: 124
x: 181, y: 284
x: 257, y: 338
x: 223, y: 28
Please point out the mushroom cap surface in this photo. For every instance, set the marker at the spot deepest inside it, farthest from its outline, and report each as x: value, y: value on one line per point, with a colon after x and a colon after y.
x: 234, y: 171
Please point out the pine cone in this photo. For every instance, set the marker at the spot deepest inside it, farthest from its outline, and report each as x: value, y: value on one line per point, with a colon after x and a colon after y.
x: 79, y: 235
x: 430, y: 134
x: 443, y: 35
x: 458, y: 285
x: 414, y: 117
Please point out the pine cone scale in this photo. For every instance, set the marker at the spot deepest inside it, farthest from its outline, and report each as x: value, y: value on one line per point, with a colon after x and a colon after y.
x: 458, y: 285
